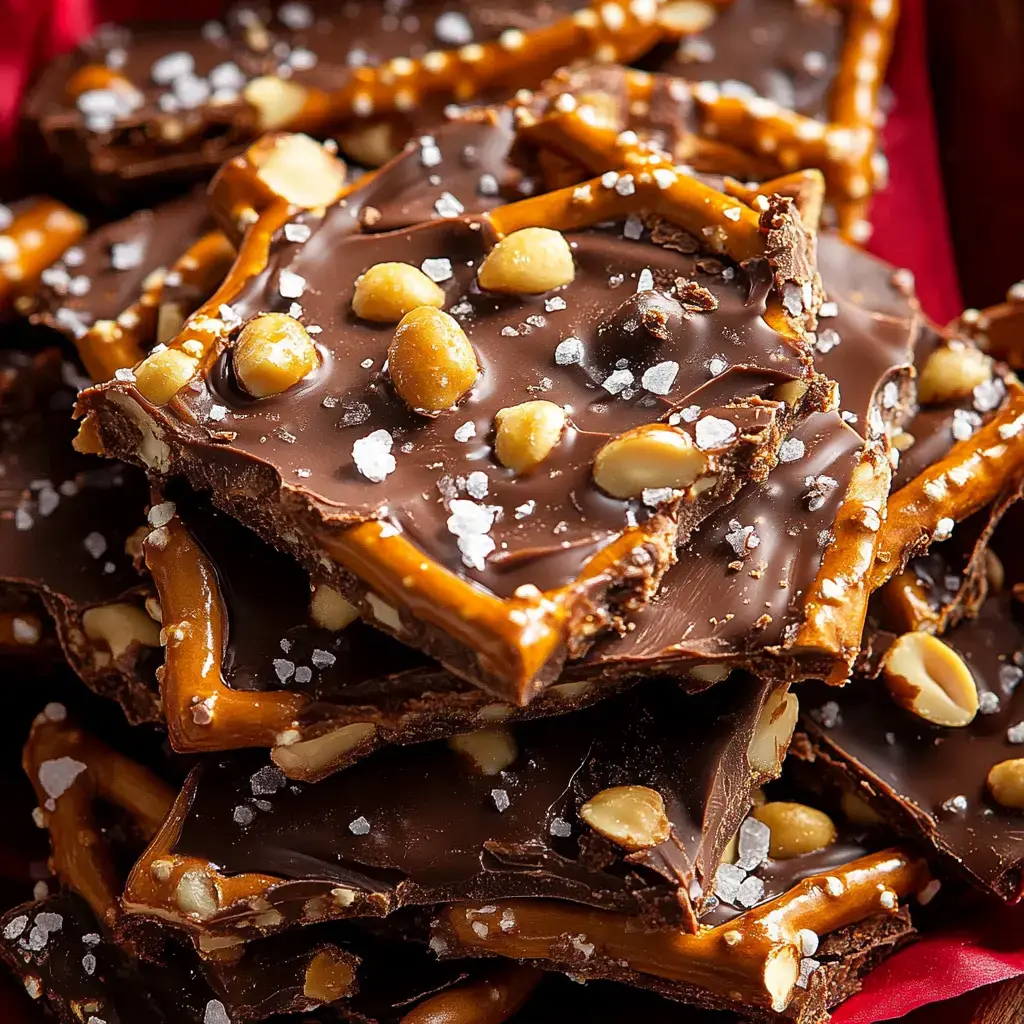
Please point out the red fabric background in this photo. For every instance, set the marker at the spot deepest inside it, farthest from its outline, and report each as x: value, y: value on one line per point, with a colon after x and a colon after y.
x: 910, y: 230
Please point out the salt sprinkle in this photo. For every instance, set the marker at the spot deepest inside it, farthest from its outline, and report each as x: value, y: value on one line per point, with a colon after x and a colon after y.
x: 372, y: 456
x: 359, y: 827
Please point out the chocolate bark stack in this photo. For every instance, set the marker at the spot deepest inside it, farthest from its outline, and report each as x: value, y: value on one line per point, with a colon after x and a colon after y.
x: 484, y: 528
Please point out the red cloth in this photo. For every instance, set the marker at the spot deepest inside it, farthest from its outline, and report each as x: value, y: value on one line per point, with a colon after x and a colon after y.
x: 910, y: 230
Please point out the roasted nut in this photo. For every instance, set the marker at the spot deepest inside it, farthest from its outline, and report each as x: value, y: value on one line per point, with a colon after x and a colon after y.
x: 686, y: 17
x: 387, y: 291
x: 929, y: 678
x: 330, y: 610
x: 273, y: 352
x: 329, y: 976
x: 1006, y: 783
x: 277, y: 101
x: 525, y: 434
x: 299, y: 170
x: 772, y: 733
x: 631, y: 816
x: 161, y: 375
x: 995, y: 574
x: 431, y: 361
x: 490, y: 750
x: 952, y: 372
x: 527, y: 262
x: 119, y: 626
x: 858, y: 811
x: 196, y: 895
x: 651, y: 456
x: 313, y: 758
x: 796, y: 828
x: 370, y: 144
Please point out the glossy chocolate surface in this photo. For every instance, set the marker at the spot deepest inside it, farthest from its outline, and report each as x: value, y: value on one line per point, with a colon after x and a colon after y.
x: 726, y: 597
x: 100, y: 278
x: 931, y: 779
x: 782, y: 50
x: 549, y: 522
x: 455, y: 833
x: 869, y: 342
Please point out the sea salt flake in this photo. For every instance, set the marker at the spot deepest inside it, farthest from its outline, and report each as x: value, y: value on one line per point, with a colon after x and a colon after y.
x: 372, y: 456
x: 322, y: 659
x: 298, y: 233
x: 290, y: 285
x: 359, y: 827
x: 989, y: 395
x: 216, y: 1013
x: 267, y: 781
x: 243, y: 815
x: 58, y: 775
x: 95, y: 543
x: 943, y: 529
x: 1015, y: 734
x: 569, y: 352
x: 645, y: 282
x: 501, y: 800
x: 742, y: 539
x: 448, y: 206
x: 617, y: 381
x: 712, y: 433
x: 283, y: 669
x: 988, y: 702
x: 560, y: 827
x: 791, y: 450
x: 808, y: 965
x: 754, y: 840
x: 658, y: 379
x: 728, y: 879
x: 554, y: 304
x: 477, y: 485
x: 438, y: 269
x: 750, y: 892
x: 808, y: 941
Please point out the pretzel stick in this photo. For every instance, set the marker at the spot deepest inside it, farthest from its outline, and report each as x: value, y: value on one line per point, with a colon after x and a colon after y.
x: 70, y: 770
x: 488, y: 1000
x: 754, y: 958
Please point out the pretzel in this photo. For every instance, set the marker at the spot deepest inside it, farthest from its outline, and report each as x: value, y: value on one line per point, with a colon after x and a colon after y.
x: 70, y: 770
x: 753, y: 960
x: 34, y: 233
x: 519, y: 637
x: 150, y: 135
x: 154, y: 318
x: 967, y: 479
x: 309, y: 739
x: 748, y: 138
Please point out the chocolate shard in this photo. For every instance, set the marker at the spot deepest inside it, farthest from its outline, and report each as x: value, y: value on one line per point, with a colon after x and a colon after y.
x: 65, y: 526
x: 494, y: 814
x: 548, y: 558
x: 928, y: 780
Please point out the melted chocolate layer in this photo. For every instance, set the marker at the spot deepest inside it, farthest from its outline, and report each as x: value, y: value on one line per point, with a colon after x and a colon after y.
x: 930, y: 780
x: 783, y: 50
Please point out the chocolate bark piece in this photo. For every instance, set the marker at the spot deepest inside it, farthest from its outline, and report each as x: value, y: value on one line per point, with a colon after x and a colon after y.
x: 33, y: 233
x: 146, y: 107
x: 927, y: 780
x: 754, y: 964
x: 65, y: 521
x: 129, y: 285
x: 543, y: 594
x: 492, y: 814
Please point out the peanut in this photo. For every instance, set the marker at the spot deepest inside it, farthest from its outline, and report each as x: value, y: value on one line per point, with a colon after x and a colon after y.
x: 650, y: 456
x: 686, y: 17
x: 1006, y: 783
x: 631, y: 816
x: 273, y: 352
x: 526, y: 434
x: 926, y: 676
x: 527, y: 262
x: 119, y: 626
x: 161, y: 375
x: 387, y: 291
x: 796, y: 828
x: 277, y: 102
x: 299, y: 170
x: 489, y: 750
x: 772, y: 733
x: 329, y: 976
x: 952, y: 372
x: 431, y: 361
x: 330, y: 610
